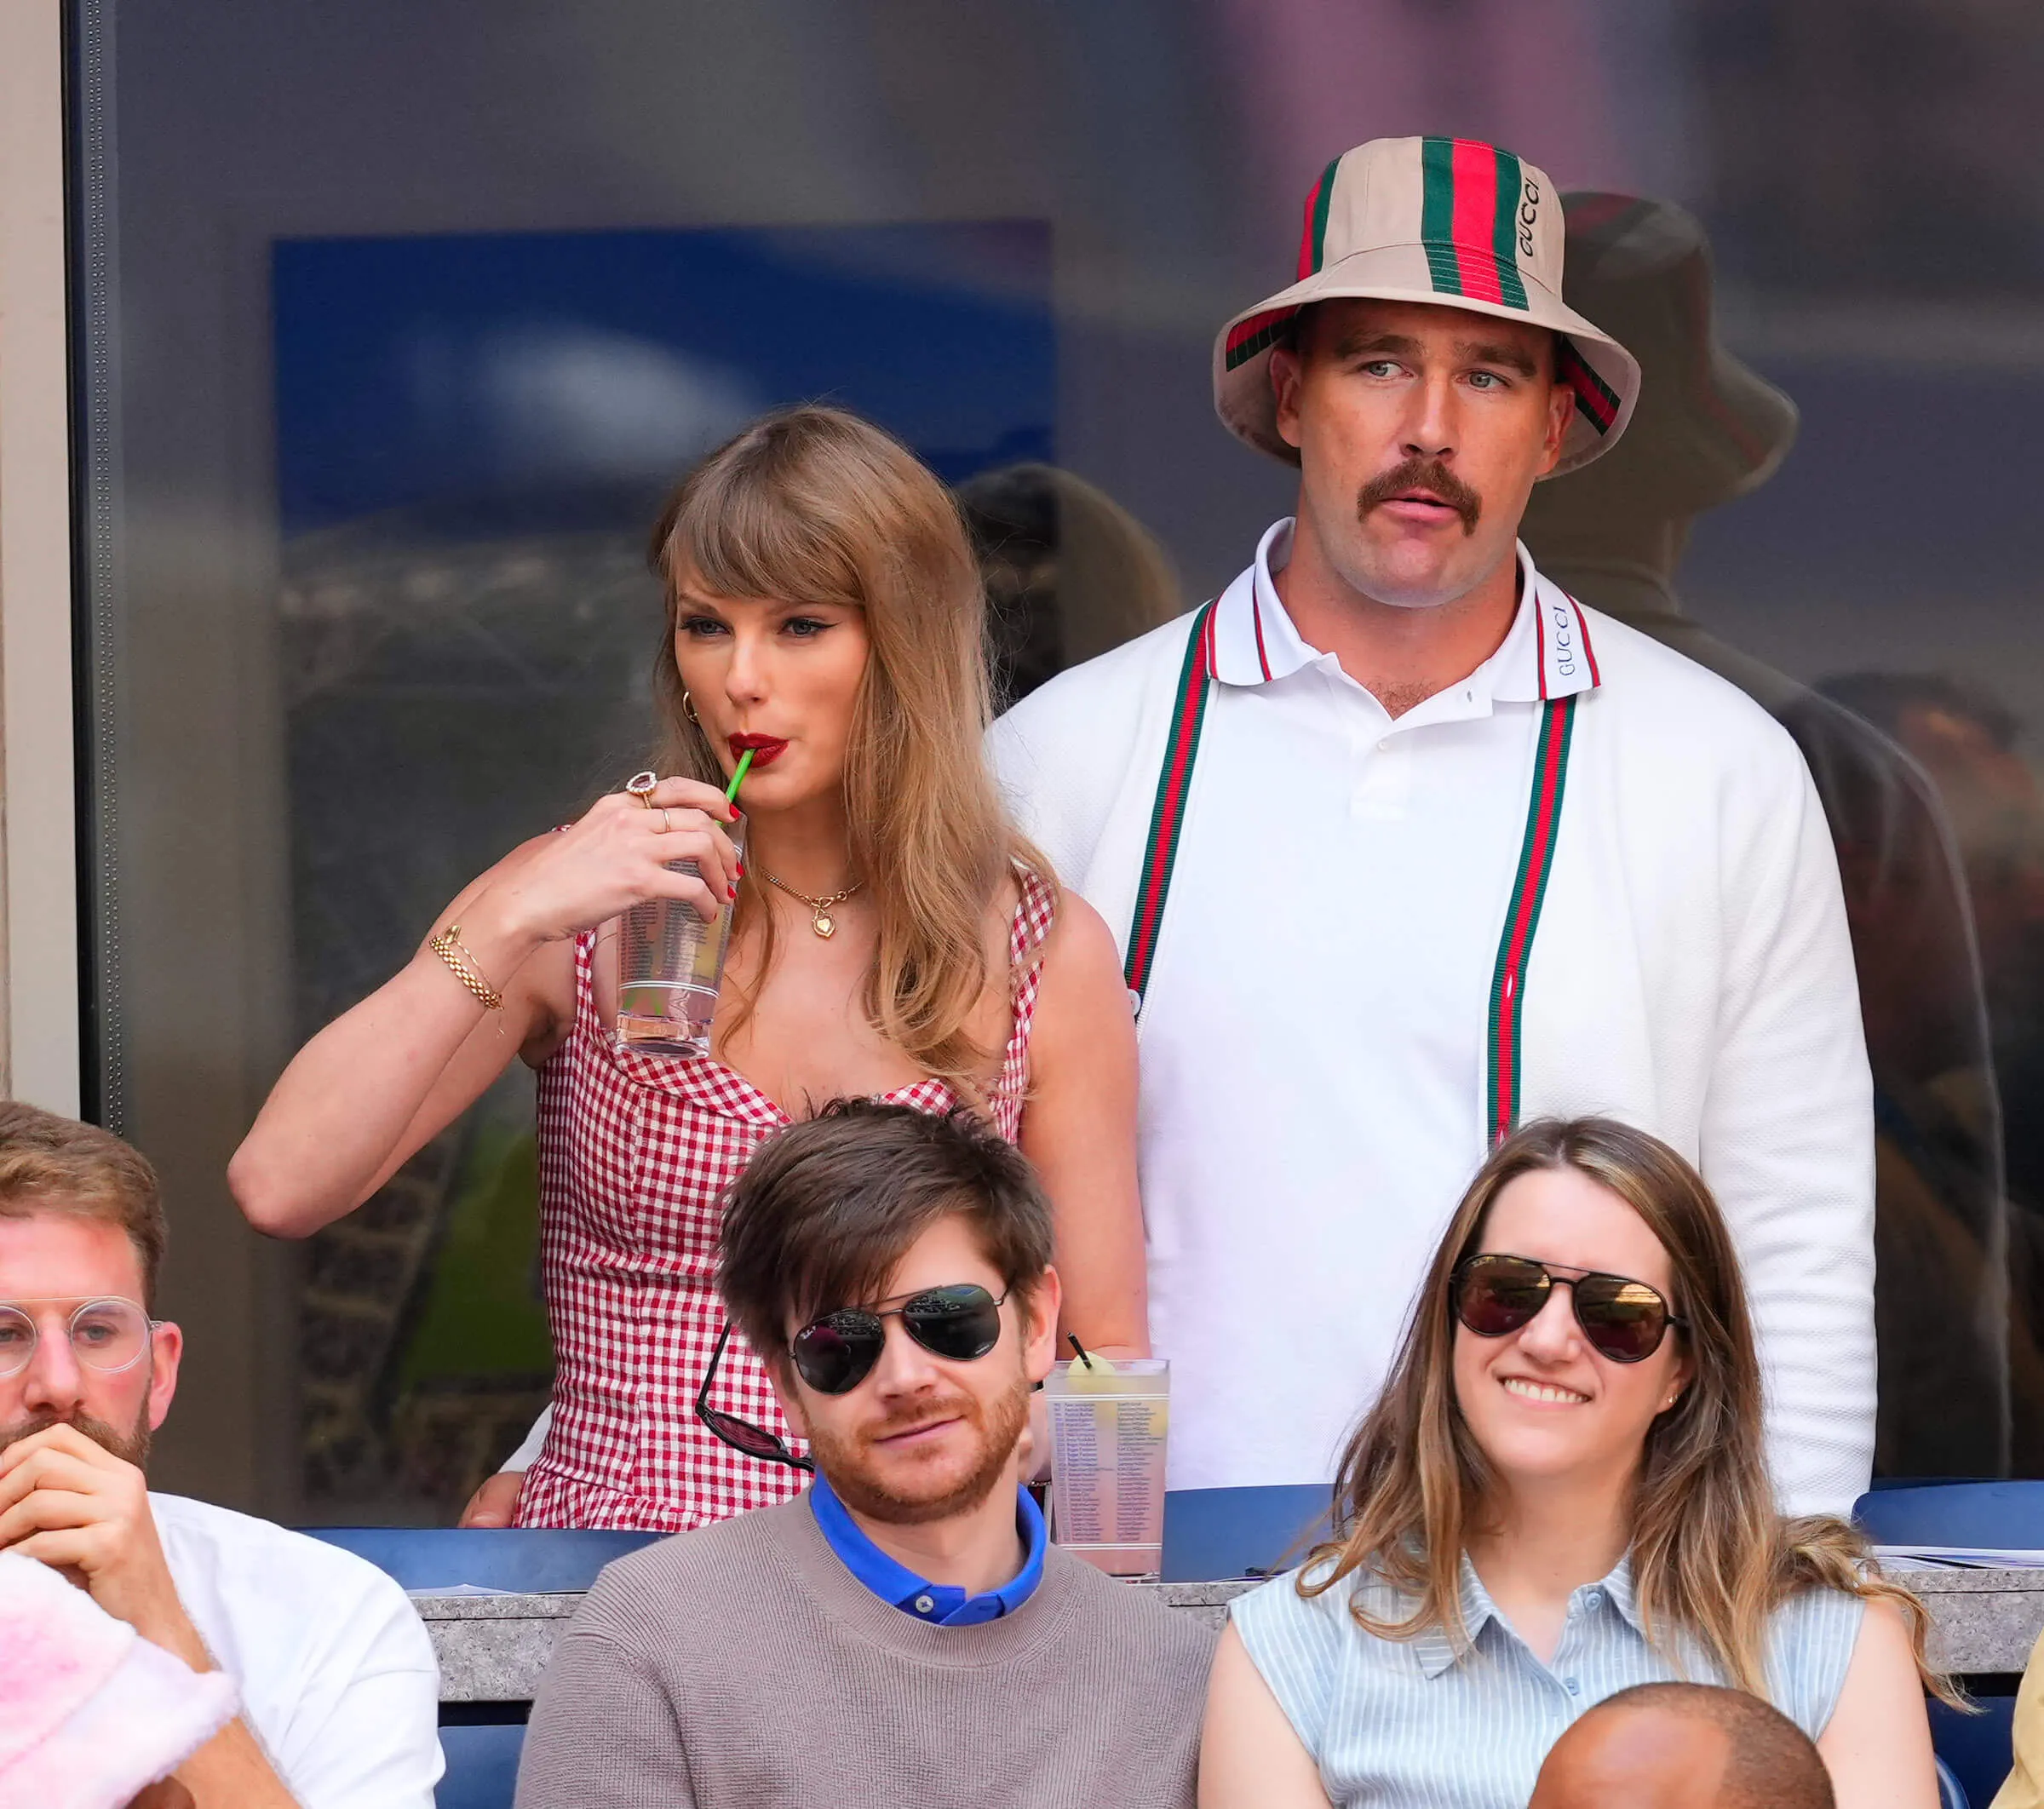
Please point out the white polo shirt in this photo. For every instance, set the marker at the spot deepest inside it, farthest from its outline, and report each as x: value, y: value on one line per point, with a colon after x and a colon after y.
x: 1313, y: 1039
x: 337, y: 1677
x: 1309, y: 997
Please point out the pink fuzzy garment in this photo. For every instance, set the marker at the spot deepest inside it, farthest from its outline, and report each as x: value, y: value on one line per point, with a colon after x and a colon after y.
x: 90, y: 1712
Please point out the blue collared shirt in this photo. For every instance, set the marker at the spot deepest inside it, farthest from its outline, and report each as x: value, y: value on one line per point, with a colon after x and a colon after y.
x: 1418, y: 1721
x: 942, y: 1605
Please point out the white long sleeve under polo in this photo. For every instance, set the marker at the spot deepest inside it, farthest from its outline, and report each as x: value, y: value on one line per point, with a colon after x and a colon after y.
x: 1313, y: 1036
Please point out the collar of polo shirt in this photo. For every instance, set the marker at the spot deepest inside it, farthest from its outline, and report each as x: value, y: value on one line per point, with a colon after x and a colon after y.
x: 1546, y: 653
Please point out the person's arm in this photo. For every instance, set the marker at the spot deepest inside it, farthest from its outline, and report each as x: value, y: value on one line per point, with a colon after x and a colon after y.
x: 1079, y: 1131
x: 72, y: 1504
x: 602, y: 1734
x: 1877, y: 1744
x: 384, y: 1078
x: 1251, y: 1757
x: 1787, y: 1135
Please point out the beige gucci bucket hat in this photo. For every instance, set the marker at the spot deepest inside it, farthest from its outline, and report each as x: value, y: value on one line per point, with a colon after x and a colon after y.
x: 1450, y: 220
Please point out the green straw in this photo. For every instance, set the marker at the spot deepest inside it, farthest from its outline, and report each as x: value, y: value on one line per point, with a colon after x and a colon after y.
x: 731, y: 791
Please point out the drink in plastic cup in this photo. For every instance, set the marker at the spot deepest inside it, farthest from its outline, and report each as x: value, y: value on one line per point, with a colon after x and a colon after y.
x: 671, y: 965
x: 1107, y: 1431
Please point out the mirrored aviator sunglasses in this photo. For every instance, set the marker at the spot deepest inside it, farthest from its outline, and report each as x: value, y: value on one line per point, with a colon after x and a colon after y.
x: 834, y: 1354
x: 1622, y: 1319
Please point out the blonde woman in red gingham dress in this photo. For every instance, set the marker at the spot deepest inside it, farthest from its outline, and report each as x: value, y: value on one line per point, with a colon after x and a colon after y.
x: 823, y: 610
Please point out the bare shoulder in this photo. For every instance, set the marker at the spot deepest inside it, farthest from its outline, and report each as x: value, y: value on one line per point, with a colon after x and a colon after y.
x: 1079, y: 954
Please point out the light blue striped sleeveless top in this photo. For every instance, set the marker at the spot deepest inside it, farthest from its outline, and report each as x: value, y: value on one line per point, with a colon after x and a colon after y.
x: 1409, y: 1724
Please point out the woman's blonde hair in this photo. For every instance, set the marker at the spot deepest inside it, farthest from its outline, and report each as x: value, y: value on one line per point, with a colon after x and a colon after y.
x: 813, y: 505
x: 1711, y: 1558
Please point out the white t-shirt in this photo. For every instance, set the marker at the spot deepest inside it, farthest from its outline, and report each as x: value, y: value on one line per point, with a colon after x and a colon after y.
x: 337, y: 1676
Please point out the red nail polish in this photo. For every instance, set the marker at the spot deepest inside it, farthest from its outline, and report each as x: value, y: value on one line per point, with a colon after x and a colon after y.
x: 741, y: 870
x: 731, y: 893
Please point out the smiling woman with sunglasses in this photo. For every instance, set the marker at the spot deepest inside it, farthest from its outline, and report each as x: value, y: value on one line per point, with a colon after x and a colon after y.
x: 1560, y: 1493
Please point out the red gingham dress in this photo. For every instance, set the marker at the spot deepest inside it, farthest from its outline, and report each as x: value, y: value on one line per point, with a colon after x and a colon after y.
x: 636, y: 1153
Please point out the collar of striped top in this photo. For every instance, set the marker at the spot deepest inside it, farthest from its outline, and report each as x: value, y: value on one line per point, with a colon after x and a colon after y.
x: 942, y: 1605
x: 1546, y: 653
x: 1435, y: 1651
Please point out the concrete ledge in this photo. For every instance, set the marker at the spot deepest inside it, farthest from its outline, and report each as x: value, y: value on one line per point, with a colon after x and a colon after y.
x: 494, y: 1648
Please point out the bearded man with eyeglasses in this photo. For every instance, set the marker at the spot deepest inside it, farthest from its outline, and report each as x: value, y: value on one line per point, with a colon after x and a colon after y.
x: 901, y: 1633
x: 339, y: 1692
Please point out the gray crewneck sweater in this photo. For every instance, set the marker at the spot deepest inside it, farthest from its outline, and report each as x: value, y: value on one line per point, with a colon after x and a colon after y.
x: 742, y: 1666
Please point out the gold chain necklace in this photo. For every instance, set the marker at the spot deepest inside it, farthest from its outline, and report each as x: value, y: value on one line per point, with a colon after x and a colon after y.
x: 821, y: 921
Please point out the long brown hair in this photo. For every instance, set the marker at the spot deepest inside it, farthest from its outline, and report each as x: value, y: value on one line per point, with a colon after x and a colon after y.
x: 813, y: 505
x: 1711, y: 1557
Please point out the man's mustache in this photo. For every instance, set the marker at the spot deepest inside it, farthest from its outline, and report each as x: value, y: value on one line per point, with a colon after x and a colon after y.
x: 1429, y: 474
x: 922, y: 1413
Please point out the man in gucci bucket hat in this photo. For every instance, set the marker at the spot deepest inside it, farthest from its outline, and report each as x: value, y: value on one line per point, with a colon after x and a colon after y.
x: 1406, y: 847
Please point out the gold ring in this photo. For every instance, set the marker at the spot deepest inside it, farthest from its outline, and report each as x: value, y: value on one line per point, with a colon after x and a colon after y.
x: 641, y: 786
x: 667, y: 821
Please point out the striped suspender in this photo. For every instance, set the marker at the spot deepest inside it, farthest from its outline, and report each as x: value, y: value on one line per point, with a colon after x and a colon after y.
x: 1168, y: 814
x: 1528, y: 887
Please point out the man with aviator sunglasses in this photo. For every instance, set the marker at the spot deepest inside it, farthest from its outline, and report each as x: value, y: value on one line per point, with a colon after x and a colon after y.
x: 892, y: 1269
x: 339, y: 1689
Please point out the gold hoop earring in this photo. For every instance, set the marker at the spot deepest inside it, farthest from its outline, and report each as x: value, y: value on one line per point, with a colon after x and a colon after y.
x: 688, y: 709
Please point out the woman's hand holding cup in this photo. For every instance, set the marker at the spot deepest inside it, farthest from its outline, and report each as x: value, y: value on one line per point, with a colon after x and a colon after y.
x: 616, y: 856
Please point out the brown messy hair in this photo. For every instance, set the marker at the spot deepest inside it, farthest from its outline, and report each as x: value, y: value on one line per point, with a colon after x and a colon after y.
x: 827, y: 1209
x: 59, y: 1167
x: 813, y: 505
x: 1711, y: 1556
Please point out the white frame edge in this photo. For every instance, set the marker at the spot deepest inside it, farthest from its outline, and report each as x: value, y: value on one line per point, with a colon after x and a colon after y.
x: 40, y: 1039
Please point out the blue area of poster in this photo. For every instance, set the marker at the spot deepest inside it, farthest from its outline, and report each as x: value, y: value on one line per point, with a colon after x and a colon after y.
x: 514, y: 378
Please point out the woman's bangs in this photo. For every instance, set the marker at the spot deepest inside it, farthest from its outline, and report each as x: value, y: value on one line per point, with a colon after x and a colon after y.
x: 753, y: 533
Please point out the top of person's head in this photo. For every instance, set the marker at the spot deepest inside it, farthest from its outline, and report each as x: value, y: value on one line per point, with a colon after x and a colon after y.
x: 1641, y: 1749
x: 50, y: 1165
x: 1709, y: 428
x: 825, y: 1211
x: 1709, y: 1553
x: 1886, y: 699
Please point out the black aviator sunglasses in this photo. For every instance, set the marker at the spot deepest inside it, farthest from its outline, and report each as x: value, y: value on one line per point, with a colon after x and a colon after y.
x: 835, y: 1353
x: 1624, y: 1320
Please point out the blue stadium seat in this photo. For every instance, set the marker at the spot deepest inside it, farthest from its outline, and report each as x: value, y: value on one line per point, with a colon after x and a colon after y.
x: 1213, y: 1535
x: 482, y: 1766
x: 534, y: 1559
x: 2009, y: 1514
x: 1951, y: 1794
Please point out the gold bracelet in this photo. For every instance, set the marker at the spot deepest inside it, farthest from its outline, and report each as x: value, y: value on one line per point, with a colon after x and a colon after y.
x: 448, y: 946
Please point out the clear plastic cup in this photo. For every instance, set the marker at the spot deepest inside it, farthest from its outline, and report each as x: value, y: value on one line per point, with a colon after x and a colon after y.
x: 1107, y: 1432
x: 670, y: 966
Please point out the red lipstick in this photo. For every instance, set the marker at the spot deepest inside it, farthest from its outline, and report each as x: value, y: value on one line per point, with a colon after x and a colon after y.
x: 766, y: 749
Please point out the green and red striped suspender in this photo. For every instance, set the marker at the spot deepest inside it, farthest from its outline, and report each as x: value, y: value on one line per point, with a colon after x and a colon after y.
x: 1168, y: 814
x: 1528, y: 887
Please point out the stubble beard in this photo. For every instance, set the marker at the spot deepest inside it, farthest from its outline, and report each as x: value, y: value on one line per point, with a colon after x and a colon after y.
x: 845, y: 1464
x: 130, y: 1447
